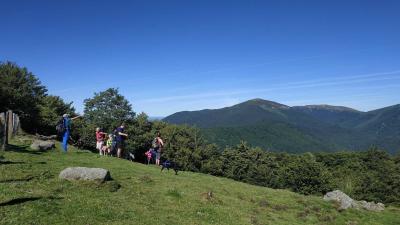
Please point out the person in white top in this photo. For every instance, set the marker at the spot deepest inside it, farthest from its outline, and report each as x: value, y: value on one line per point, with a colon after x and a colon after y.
x: 159, y: 144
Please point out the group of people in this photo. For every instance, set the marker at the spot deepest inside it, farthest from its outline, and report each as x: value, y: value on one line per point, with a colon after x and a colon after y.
x: 108, y: 144
x: 111, y: 144
x: 154, y: 153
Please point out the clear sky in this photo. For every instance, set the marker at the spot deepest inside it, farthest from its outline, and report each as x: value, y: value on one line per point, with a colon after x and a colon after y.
x: 167, y: 56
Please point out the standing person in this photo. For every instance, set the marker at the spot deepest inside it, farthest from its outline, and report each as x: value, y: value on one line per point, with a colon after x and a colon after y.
x: 100, y: 140
x: 120, y: 136
x: 67, y: 122
x: 158, y: 144
x: 109, y: 144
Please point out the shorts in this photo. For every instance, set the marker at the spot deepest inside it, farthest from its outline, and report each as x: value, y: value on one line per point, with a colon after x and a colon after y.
x: 158, y: 154
x: 99, y: 145
x: 120, y: 145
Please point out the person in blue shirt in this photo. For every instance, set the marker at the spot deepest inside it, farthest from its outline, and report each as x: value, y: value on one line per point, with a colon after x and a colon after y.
x: 67, y: 125
x: 120, y: 137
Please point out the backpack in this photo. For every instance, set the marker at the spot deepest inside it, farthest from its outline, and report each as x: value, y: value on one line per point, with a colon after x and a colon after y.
x: 154, y: 143
x: 60, y: 128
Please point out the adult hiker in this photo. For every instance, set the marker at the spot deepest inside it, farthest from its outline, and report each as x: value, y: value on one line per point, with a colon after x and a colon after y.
x: 100, y: 140
x: 120, y: 137
x: 66, y: 127
x: 158, y: 144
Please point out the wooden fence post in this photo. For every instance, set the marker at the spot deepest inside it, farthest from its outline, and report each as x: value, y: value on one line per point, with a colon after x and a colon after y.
x: 3, y: 136
x: 9, y: 125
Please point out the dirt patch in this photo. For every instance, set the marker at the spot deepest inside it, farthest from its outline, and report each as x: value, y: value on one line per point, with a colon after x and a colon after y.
x: 280, y: 207
x: 146, y: 179
x: 263, y: 203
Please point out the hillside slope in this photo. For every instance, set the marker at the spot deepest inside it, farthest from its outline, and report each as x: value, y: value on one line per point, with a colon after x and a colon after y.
x: 31, y: 193
x: 329, y: 114
x: 279, y: 127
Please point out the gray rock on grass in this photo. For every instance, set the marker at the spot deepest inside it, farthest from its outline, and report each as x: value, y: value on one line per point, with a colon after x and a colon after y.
x: 346, y: 202
x: 43, y: 145
x: 86, y: 174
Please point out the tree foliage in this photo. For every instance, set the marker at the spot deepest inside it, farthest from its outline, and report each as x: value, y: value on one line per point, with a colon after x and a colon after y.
x: 21, y: 91
x: 51, y: 108
x: 108, y: 109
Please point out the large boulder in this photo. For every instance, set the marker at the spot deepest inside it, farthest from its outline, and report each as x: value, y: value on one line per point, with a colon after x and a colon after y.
x: 84, y: 173
x: 43, y: 145
x: 340, y: 197
x: 346, y: 202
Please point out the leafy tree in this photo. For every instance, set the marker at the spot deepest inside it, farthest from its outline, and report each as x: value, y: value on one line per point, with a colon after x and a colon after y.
x: 83, y: 134
x: 51, y: 108
x: 108, y: 109
x: 306, y: 176
x: 186, y: 146
x: 141, y: 134
x: 21, y: 91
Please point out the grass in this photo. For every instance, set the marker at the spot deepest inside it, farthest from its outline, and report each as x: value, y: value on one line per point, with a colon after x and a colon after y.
x: 31, y: 193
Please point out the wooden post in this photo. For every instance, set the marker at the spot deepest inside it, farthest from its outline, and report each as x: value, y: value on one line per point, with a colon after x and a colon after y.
x: 6, y: 129
x: 16, y: 124
x: 9, y: 125
x: 2, y: 131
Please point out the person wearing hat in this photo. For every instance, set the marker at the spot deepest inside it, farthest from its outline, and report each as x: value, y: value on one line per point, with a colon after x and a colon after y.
x: 67, y: 125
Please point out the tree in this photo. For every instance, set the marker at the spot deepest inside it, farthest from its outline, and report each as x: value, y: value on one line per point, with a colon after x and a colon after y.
x: 51, y: 108
x: 21, y: 91
x: 141, y: 134
x: 108, y: 109
x: 305, y: 175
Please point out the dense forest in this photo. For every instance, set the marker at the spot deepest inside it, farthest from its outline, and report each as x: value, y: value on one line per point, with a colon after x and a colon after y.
x: 297, y: 129
x: 372, y: 175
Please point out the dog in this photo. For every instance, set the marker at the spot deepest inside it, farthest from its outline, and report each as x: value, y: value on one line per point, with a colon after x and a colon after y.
x: 170, y: 165
x: 131, y: 156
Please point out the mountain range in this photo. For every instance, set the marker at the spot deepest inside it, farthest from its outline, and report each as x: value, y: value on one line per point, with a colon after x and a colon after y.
x: 278, y: 127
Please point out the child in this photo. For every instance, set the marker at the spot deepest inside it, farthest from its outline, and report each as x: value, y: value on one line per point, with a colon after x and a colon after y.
x: 109, y: 144
x: 104, y: 150
x: 149, y: 155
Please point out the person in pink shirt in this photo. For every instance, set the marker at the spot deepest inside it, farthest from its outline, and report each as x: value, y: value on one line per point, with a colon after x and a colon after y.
x: 100, y: 140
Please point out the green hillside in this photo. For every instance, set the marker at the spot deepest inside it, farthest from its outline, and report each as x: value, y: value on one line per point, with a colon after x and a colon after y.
x: 31, y: 193
x: 267, y: 136
x: 278, y: 127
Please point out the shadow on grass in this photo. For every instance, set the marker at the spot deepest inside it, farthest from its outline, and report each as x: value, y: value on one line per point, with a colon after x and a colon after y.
x: 27, y: 179
x: 22, y: 149
x: 17, y: 201
x: 10, y: 162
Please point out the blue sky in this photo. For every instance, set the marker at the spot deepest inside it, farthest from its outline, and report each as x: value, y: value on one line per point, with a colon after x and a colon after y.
x: 169, y: 56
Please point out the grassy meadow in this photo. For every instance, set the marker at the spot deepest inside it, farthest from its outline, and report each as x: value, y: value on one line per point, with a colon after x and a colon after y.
x: 32, y: 193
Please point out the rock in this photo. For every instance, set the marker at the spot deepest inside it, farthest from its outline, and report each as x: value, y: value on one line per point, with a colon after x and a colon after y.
x: 46, y: 138
x: 338, y: 196
x: 347, y: 202
x: 372, y: 206
x: 84, y: 173
x: 43, y: 145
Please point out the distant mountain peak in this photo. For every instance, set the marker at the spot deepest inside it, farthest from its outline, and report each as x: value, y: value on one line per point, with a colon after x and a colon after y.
x: 331, y: 108
x: 264, y: 103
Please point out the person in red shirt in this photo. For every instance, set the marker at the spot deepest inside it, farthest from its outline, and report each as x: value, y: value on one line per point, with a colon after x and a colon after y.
x: 100, y: 140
